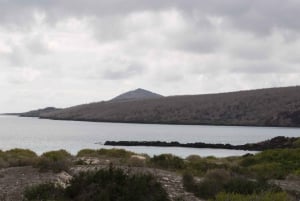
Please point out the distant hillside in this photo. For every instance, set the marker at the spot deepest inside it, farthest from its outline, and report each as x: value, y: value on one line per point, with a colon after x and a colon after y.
x: 138, y: 94
x: 39, y: 112
x: 264, y: 107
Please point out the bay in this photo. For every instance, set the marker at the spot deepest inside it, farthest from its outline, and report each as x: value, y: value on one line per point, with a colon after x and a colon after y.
x: 42, y: 135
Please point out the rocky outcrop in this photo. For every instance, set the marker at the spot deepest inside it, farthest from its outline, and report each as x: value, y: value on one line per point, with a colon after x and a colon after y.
x: 274, y: 143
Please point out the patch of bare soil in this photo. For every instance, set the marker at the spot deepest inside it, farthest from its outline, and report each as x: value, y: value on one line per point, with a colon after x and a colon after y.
x: 14, y: 180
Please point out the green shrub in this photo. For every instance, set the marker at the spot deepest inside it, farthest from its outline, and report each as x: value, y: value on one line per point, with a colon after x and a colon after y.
x: 43, y: 192
x: 189, y: 182
x: 55, y: 160
x: 220, y: 180
x: 267, y: 196
x: 213, y: 183
x: 244, y: 186
x: 273, y: 164
x: 57, y: 155
x: 296, y: 144
x: 111, y: 153
x: 168, y: 161
x: 17, y: 157
x: 87, y: 152
x: 269, y: 170
x: 199, y: 166
x: 105, y: 185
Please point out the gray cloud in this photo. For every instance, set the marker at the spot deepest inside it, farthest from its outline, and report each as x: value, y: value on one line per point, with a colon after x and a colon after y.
x: 126, y: 72
x: 255, y: 16
x: 69, y: 50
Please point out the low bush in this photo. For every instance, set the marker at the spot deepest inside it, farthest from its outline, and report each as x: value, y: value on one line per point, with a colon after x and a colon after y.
x: 220, y: 180
x: 105, y: 185
x: 47, y: 191
x: 267, y: 196
x: 296, y: 144
x: 213, y: 183
x: 244, y: 186
x: 54, y: 160
x: 111, y: 153
x: 199, y: 166
x: 189, y: 182
x: 17, y: 157
x: 272, y: 164
x: 168, y: 161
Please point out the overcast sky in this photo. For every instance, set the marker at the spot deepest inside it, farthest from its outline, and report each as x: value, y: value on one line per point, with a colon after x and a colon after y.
x: 67, y: 52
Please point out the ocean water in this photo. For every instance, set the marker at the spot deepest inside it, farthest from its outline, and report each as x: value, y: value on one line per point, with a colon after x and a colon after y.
x: 42, y: 135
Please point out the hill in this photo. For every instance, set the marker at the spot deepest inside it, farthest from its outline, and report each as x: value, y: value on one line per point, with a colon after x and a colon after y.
x: 263, y: 107
x: 138, y: 94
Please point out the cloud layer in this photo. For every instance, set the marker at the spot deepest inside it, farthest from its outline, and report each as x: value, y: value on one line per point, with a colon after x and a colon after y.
x: 67, y: 52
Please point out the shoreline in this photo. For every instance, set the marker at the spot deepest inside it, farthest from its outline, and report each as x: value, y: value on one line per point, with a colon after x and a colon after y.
x: 159, y: 123
x: 154, y: 123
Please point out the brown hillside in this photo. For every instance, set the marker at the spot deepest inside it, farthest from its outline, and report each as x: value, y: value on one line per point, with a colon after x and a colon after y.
x: 263, y: 107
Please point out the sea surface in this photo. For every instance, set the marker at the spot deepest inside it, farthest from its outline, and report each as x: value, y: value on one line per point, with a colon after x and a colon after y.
x: 42, y: 135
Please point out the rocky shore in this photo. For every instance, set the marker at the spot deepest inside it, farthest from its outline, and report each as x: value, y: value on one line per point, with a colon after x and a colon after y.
x: 274, y: 143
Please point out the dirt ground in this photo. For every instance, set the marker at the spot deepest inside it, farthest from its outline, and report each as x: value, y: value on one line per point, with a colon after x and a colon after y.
x: 14, y: 180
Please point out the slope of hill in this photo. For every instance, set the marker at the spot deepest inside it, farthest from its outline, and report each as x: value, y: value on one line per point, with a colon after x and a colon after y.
x: 263, y: 107
x: 38, y: 112
x: 138, y: 94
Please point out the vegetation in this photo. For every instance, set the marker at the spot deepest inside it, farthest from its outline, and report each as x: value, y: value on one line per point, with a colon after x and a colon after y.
x: 219, y: 180
x: 267, y: 196
x: 17, y: 157
x: 272, y: 164
x: 168, y: 161
x: 54, y: 160
x: 231, y: 178
x: 109, y: 153
x: 105, y: 185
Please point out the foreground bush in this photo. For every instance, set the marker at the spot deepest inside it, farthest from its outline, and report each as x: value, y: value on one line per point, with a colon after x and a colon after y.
x: 216, y: 181
x: 273, y: 164
x: 268, y: 196
x: 54, y: 160
x: 43, y: 192
x: 104, y: 185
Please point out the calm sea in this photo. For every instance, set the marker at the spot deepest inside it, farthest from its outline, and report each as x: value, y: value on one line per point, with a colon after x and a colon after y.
x: 42, y: 135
